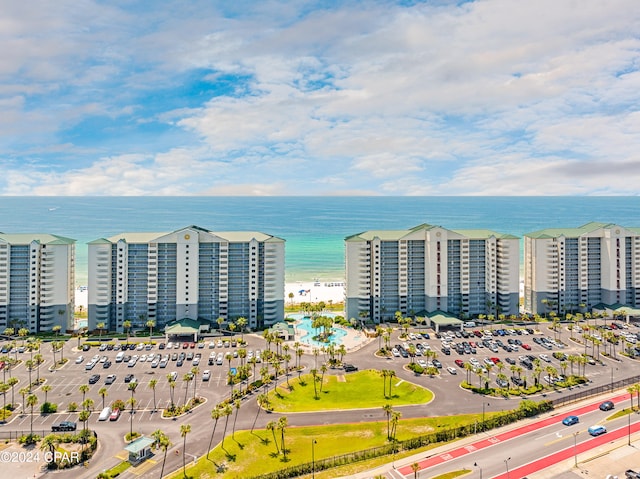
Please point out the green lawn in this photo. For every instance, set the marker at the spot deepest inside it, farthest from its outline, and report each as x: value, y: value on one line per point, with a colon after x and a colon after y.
x: 359, y: 390
x: 249, y: 454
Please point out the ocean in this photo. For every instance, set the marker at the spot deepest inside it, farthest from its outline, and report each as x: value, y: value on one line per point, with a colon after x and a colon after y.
x: 314, y: 227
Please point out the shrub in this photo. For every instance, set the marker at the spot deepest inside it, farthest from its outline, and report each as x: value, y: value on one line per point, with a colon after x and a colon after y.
x: 29, y: 439
x: 416, y: 368
x: 48, y: 408
x: 72, y: 407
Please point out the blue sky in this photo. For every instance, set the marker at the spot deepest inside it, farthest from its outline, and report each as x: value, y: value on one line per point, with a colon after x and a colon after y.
x: 489, y: 97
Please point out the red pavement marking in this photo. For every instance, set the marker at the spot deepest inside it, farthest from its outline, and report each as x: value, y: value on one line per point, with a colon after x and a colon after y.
x: 569, y: 452
x: 505, y: 436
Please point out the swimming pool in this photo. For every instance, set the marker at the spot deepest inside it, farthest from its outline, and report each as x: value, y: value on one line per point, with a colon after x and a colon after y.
x: 303, y: 326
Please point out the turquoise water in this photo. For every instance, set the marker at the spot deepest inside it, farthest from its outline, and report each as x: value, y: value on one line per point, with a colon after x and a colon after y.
x: 304, y: 324
x: 314, y: 227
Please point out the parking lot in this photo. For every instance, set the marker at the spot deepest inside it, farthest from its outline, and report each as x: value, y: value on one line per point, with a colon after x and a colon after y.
x: 98, y: 369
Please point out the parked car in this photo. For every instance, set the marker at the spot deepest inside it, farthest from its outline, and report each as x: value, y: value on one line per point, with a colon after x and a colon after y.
x: 110, y: 379
x: 206, y: 375
x: 350, y: 367
x: 115, y: 414
x: 452, y: 370
x: 94, y: 378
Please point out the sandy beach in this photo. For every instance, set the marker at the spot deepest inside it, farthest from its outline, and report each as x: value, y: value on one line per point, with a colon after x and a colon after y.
x: 314, y: 292
x: 302, y: 292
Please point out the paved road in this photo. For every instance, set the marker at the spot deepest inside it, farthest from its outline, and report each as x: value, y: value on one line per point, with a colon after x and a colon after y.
x: 66, y: 382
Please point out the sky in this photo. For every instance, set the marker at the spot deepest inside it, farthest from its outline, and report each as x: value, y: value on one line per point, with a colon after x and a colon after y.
x: 353, y: 97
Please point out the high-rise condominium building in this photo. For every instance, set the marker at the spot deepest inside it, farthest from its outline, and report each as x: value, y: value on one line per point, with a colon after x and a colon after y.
x: 189, y: 273
x: 570, y: 270
x: 430, y: 268
x: 37, y: 275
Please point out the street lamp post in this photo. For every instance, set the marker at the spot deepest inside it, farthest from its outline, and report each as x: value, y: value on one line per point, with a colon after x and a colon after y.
x: 475, y: 464
x: 575, y: 448
x: 629, y: 426
x: 506, y: 464
x: 313, y: 459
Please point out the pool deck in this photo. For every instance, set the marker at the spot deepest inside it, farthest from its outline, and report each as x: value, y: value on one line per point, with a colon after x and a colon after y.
x: 352, y: 340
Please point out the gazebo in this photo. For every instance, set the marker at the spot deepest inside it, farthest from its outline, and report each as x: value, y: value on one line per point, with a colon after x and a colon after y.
x: 139, y: 449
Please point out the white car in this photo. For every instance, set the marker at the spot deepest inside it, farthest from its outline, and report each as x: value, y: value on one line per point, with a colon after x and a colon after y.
x: 395, y: 352
x: 79, y: 360
x: 544, y: 357
x: 206, y: 375
x: 452, y: 370
x: 196, y: 361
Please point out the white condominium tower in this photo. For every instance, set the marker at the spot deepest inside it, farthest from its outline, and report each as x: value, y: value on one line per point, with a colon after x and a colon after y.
x: 189, y: 273
x: 36, y: 282
x: 430, y: 268
x: 570, y: 270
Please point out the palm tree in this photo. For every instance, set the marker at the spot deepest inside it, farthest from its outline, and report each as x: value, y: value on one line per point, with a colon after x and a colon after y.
x: 88, y: 404
x: 132, y: 401
x: 23, y: 392
x: 215, y: 415
x: 263, y: 401
x: 395, y: 417
x: 384, y: 374
x: 194, y: 373
x: 150, y: 324
x: 4, y: 387
x: 38, y: 360
x: 184, y: 430
x: 29, y: 363
x: 237, y: 403
x: 46, y: 388
x: 323, y: 368
x: 163, y: 442
x: 388, y: 409
x: 49, y: 442
x: 152, y: 385
x: 271, y: 426
x: 242, y: 322
x: 282, y: 425
x: 172, y: 386
x: 102, y: 392
x: 100, y: 327
x: 84, y: 417
x: 32, y: 400
x: 226, y: 412
x: 186, y: 378
x: 127, y: 326
x: 83, y: 388
x: 314, y: 376
x: 392, y: 374
x: 12, y: 382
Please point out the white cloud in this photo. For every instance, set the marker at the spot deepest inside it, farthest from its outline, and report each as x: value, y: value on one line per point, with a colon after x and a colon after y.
x: 488, y: 97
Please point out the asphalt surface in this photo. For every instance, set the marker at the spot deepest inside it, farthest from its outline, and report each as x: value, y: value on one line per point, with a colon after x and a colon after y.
x: 448, y: 400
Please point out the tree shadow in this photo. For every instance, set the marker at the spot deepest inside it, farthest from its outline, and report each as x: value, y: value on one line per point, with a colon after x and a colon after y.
x: 230, y: 457
x: 265, y: 440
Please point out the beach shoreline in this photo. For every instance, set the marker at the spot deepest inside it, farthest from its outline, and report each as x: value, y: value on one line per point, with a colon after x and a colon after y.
x: 294, y: 293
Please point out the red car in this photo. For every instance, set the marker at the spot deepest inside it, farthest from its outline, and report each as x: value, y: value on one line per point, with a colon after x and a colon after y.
x: 459, y: 362
x: 527, y: 347
x: 495, y: 360
x: 114, y: 415
x: 185, y: 345
x: 192, y: 345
